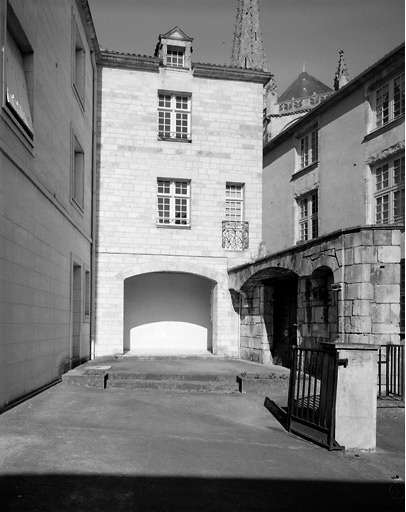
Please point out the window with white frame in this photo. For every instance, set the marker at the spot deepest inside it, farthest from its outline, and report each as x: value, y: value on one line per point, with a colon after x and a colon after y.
x: 389, y: 193
x: 18, y: 73
x: 309, y: 149
x: 78, y: 173
x: 234, y: 202
x: 175, y: 57
x: 390, y: 101
x: 174, y: 116
x: 173, y: 202
x: 308, y: 213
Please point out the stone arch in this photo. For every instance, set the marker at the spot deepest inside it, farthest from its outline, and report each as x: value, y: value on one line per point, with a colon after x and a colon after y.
x: 168, y: 313
x: 172, y: 266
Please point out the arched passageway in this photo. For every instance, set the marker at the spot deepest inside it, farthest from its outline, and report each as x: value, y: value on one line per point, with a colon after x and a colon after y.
x: 168, y: 313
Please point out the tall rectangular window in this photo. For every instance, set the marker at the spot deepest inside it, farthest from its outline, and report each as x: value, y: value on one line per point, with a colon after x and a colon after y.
x: 78, y: 170
x: 173, y: 202
x: 78, y: 64
x: 234, y: 202
x: 87, y: 294
x: 309, y: 149
x: 174, y: 117
x: 390, y: 101
x: 389, y: 194
x: 308, y: 209
x: 19, y: 71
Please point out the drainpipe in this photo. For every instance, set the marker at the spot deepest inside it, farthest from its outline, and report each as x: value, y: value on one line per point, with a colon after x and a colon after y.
x: 239, y: 324
x: 93, y: 216
x: 341, y: 324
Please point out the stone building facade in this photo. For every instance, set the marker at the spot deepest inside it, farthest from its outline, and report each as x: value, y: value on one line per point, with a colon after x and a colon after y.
x: 179, y: 198
x: 46, y: 169
x: 333, y: 224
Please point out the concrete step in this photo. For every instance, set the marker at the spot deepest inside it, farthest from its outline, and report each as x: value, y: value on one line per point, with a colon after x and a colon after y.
x: 215, y: 376
x: 185, y: 385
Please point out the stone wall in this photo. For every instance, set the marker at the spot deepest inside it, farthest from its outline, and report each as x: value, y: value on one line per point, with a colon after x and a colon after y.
x: 348, y: 291
x: 226, y: 146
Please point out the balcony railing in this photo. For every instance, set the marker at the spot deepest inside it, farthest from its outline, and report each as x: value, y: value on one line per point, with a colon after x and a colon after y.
x: 302, y: 103
x: 235, y: 235
x: 176, y: 136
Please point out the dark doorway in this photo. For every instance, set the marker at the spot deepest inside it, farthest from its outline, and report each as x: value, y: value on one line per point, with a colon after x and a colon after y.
x: 285, y: 320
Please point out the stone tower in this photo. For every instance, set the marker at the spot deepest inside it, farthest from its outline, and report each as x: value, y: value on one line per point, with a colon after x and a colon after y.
x: 248, y: 51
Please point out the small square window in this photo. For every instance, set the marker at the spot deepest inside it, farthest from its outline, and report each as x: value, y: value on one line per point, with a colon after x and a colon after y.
x: 175, y: 57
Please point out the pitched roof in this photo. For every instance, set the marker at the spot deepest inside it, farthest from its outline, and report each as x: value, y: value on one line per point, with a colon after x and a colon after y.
x: 305, y: 85
x: 176, y: 33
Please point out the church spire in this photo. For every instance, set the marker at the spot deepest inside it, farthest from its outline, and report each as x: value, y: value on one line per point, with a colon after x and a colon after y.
x: 341, y: 76
x: 248, y: 51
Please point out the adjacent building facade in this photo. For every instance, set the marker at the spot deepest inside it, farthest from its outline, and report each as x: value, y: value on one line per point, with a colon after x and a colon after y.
x: 333, y: 224
x: 46, y: 169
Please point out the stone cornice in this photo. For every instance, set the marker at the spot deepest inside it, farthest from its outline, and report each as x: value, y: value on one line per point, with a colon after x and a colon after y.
x: 228, y: 73
x: 112, y: 59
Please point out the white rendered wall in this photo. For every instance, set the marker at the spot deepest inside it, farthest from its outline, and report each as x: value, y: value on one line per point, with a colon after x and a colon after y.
x: 226, y: 147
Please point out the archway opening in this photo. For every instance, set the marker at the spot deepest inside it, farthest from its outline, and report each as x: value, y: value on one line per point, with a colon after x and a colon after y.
x: 168, y: 313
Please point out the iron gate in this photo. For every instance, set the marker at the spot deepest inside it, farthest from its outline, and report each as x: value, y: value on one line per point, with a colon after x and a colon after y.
x: 391, y: 378
x: 312, y: 395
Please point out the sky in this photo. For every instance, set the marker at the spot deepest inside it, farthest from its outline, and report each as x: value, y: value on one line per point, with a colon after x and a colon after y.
x: 295, y: 33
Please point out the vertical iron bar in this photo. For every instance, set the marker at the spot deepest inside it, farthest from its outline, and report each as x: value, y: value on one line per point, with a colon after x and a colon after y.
x: 298, y: 381
x: 380, y: 372
x: 315, y: 387
x: 387, y: 370
x: 309, y: 384
x: 292, y: 383
x: 392, y: 362
x: 303, y: 382
x: 402, y: 371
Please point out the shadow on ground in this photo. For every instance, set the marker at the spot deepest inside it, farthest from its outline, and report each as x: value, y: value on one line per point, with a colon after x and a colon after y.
x: 83, y: 492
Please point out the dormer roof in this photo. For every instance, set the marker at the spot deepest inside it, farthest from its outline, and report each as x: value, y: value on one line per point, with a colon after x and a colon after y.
x: 177, y: 34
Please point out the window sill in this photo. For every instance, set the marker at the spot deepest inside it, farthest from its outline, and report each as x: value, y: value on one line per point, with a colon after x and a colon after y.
x: 382, y: 129
x: 174, y: 139
x: 308, y: 168
x: 173, y: 226
x: 19, y: 131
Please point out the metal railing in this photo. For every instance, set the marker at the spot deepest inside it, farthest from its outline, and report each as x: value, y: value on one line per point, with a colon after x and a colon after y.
x: 312, y: 395
x: 391, y: 376
x: 235, y: 235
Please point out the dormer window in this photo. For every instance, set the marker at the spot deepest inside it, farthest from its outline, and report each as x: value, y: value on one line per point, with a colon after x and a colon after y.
x: 175, y: 57
x: 174, y: 49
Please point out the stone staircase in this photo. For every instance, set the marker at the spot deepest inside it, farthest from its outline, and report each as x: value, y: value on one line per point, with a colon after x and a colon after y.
x: 243, y: 377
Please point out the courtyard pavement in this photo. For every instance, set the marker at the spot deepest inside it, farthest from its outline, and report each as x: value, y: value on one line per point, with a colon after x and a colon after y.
x: 74, y: 448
